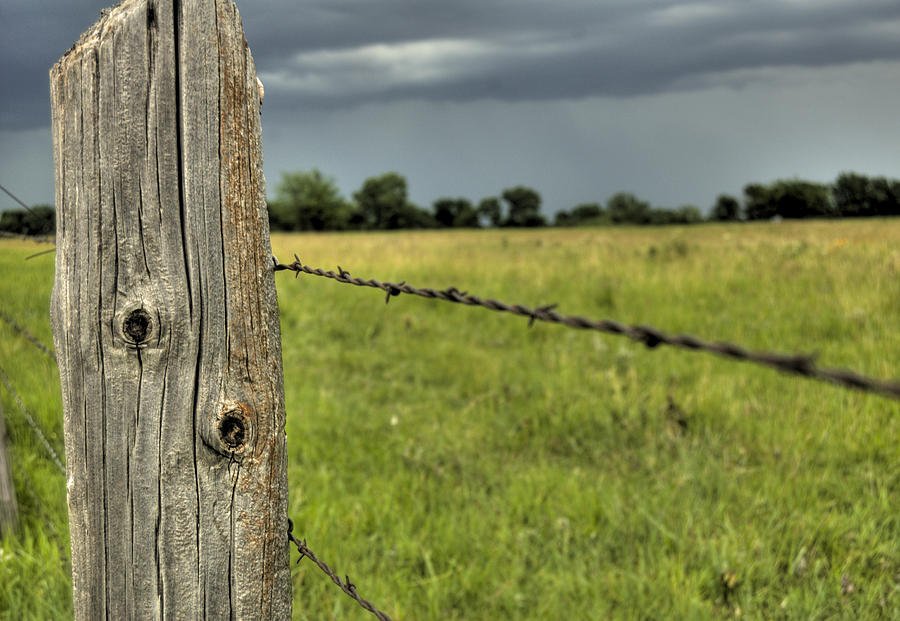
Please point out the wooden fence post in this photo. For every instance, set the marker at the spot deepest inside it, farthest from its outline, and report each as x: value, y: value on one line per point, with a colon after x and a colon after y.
x: 165, y: 320
x: 8, y: 510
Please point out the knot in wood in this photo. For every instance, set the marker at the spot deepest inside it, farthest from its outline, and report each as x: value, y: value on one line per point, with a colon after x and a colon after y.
x: 233, y: 426
x: 137, y: 326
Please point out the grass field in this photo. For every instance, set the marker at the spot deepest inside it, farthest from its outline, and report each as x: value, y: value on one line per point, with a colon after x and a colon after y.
x: 459, y: 465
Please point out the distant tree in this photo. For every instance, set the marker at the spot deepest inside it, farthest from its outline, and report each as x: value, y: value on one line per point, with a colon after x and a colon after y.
x: 688, y: 214
x: 853, y: 195
x: 11, y: 221
x: 455, y: 212
x: 759, y: 204
x: 587, y: 211
x: 563, y: 218
x: 383, y: 203
x: 796, y: 198
x: 627, y: 208
x: 41, y: 220
x: 524, y: 207
x: 411, y: 216
x: 787, y: 198
x: 659, y: 216
x: 309, y: 201
x: 726, y: 209
x: 490, y: 210
x: 885, y: 196
x: 584, y: 213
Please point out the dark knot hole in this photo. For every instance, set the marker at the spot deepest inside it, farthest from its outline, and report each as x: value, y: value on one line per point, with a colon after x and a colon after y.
x: 137, y: 325
x: 232, y: 430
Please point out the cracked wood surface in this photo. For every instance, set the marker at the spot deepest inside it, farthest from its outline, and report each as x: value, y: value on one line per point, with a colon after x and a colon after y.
x: 165, y: 320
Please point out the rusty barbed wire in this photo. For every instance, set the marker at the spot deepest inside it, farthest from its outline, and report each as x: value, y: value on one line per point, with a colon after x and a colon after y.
x: 31, y: 422
x: 346, y: 585
x: 797, y: 364
x: 28, y: 335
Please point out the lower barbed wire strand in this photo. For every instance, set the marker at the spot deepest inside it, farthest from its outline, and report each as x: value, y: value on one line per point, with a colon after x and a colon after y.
x: 28, y: 335
x: 796, y: 364
x: 345, y: 585
x: 32, y: 423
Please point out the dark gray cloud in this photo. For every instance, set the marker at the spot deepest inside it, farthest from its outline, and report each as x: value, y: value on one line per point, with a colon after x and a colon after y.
x: 353, y: 52
x: 676, y: 101
x: 328, y: 53
x: 33, y: 35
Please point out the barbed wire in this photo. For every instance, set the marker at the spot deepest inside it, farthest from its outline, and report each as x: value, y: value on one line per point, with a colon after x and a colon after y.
x: 17, y: 199
x: 32, y: 423
x: 797, y: 364
x: 346, y: 585
x: 28, y: 335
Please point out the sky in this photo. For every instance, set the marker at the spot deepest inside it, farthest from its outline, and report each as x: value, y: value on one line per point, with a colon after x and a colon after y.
x: 675, y: 101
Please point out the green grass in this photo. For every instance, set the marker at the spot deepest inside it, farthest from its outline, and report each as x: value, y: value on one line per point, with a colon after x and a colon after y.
x: 459, y: 465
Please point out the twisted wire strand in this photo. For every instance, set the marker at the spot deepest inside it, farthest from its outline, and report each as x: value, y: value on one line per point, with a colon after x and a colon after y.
x: 28, y: 335
x: 32, y: 423
x: 798, y: 364
x: 17, y: 199
x: 346, y: 585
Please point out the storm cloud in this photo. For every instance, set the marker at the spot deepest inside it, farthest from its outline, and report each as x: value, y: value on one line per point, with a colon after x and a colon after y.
x: 671, y: 99
x: 328, y: 53
x: 523, y: 51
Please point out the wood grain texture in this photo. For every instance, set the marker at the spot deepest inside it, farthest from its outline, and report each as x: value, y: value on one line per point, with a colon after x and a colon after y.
x: 165, y: 320
x: 9, y: 512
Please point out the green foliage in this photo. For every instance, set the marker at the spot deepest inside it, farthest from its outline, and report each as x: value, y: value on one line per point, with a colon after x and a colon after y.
x: 796, y: 198
x: 455, y: 212
x: 459, y: 465
x: 787, y: 198
x: 41, y: 220
x: 524, y: 207
x: 414, y: 217
x: 759, y: 202
x: 686, y: 214
x: 625, y: 208
x: 382, y: 200
x: 858, y: 195
x: 726, y: 209
x: 383, y: 204
x: 309, y: 201
x: 585, y: 213
x: 489, y: 209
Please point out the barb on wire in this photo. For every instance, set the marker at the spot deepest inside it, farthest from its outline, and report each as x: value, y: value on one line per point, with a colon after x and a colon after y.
x: 798, y: 364
x: 34, y: 426
x: 34, y: 341
x: 346, y: 586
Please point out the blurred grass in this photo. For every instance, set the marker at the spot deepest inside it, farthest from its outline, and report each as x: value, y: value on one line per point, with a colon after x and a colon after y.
x: 458, y: 465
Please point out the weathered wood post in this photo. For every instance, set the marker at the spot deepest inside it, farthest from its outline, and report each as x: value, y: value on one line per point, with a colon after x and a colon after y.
x: 165, y: 320
x: 8, y: 510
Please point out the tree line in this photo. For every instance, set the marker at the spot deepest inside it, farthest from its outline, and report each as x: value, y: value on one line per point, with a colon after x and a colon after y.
x: 311, y: 201
x: 39, y: 220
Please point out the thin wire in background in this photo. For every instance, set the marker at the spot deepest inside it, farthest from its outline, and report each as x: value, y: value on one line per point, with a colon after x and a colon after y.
x: 18, y: 200
x: 32, y: 423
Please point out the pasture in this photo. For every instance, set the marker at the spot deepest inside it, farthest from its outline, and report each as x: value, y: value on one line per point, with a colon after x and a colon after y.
x: 457, y: 464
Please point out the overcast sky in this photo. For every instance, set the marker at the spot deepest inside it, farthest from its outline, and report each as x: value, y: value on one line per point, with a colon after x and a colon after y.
x: 675, y: 101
